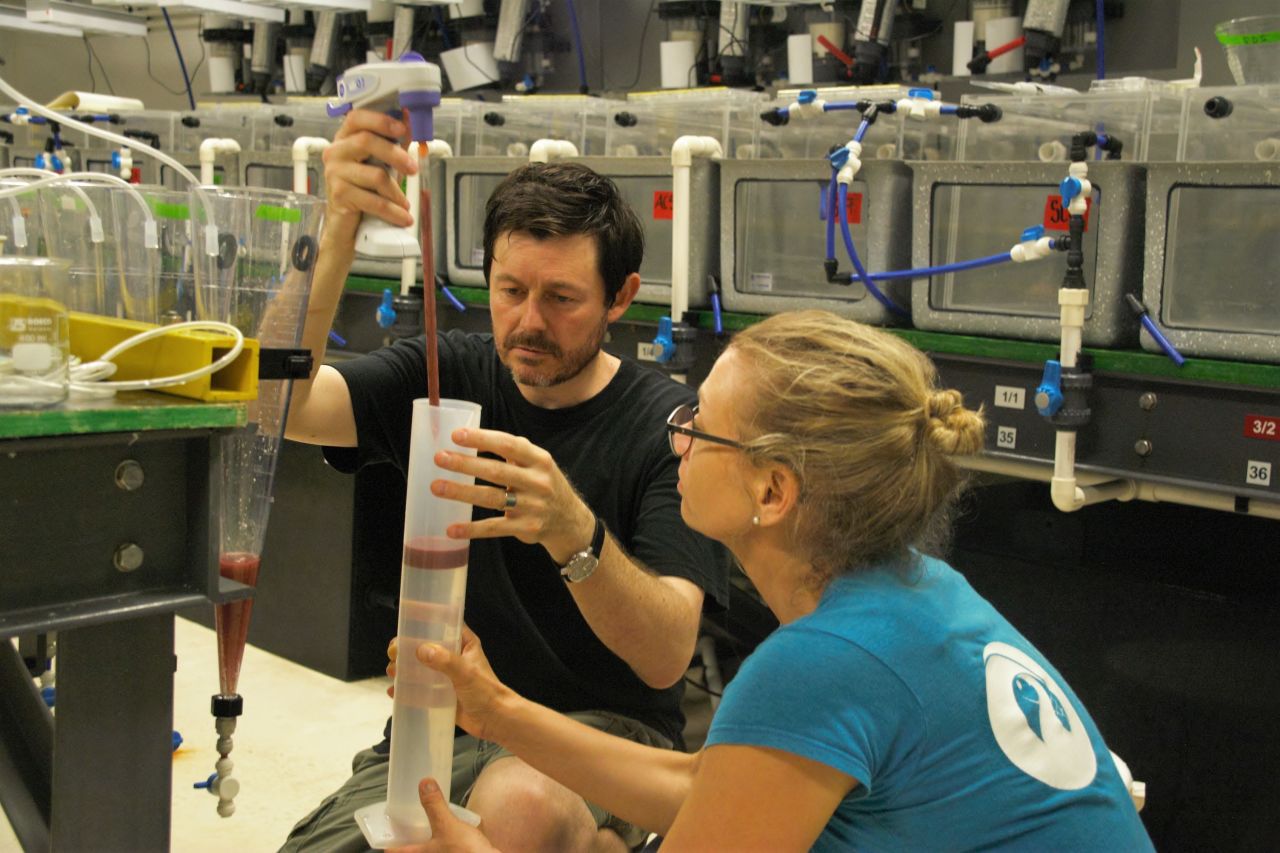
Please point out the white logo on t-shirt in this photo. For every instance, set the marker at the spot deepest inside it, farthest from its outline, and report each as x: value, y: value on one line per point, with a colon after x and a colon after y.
x: 1034, y: 722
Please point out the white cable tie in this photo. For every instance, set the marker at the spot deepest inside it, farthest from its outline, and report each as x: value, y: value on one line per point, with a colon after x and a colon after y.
x: 95, y: 229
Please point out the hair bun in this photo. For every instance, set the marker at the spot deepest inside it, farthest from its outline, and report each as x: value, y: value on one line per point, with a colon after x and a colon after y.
x: 950, y: 427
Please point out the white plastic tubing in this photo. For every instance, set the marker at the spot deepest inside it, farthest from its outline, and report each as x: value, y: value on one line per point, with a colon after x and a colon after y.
x: 209, y: 150
x: 150, y: 233
x: 682, y: 154
x: 413, y: 186
x: 210, y: 231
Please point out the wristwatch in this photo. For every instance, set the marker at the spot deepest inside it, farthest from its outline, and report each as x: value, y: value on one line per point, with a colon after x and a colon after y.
x: 582, y: 564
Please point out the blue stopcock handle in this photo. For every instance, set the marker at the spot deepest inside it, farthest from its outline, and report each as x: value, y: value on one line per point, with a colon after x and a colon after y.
x: 1069, y: 189
x: 923, y: 94
x: 664, y: 344
x: 386, y: 315
x: 808, y: 96
x: 1049, y: 393
x: 115, y: 159
x: 207, y: 783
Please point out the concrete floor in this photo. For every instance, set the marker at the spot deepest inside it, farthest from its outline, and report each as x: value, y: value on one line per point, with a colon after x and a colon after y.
x: 293, y: 746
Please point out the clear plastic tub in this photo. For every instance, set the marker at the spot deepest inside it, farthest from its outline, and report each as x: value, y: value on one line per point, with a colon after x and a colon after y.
x: 175, y: 291
x: 1231, y: 124
x: 510, y: 128
x: 98, y: 230
x: 1039, y: 127
x: 813, y: 138
x: 1212, y: 259
x: 34, y: 335
x: 771, y: 262
x: 647, y: 124
x: 1253, y: 48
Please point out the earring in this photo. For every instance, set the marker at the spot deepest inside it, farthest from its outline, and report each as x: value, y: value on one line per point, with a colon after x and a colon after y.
x: 755, y: 519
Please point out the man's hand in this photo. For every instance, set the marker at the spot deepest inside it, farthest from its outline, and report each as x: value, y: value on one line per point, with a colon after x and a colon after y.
x: 353, y: 186
x: 482, y: 698
x: 448, y: 834
x: 547, y: 510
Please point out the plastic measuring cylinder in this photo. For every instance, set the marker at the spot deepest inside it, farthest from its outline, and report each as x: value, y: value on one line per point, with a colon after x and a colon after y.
x: 433, y: 584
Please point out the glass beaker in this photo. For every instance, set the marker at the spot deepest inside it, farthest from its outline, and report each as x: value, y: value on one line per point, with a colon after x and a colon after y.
x: 34, y: 334
x: 1253, y: 48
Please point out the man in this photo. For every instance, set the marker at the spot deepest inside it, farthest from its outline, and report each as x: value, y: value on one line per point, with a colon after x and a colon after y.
x: 569, y: 434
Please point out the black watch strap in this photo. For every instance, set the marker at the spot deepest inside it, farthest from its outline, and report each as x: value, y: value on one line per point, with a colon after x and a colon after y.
x: 597, y: 538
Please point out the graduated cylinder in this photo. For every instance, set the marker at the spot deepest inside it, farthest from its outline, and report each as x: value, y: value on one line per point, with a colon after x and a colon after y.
x: 433, y: 583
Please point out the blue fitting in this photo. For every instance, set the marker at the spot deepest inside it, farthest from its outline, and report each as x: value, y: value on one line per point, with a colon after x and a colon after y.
x: 49, y: 695
x: 664, y: 344
x: 115, y: 159
x: 386, y: 315
x: 40, y: 161
x: 1069, y: 189
x: 1035, y: 232
x: 57, y: 163
x: 808, y: 96
x: 838, y: 158
x: 1049, y: 393
x: 207, y: 783
x: 177, y: 741
x: 923, y: 94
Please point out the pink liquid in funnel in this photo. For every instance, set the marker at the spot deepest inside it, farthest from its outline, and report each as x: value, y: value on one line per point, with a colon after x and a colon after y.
x: 232, y: 619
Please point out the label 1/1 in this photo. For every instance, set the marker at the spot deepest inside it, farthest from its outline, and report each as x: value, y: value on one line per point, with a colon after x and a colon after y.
x: 761, y: 282
x: 663, y: 204
x: 1261, y: 426
x: 1056, y: 217
x: 1006, y: 437
x: 646, y: 351
x: 1009, y: 397
x: 1258, y: 473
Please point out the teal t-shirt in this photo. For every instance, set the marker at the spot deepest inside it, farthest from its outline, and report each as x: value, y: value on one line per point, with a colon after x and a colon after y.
x: 960, y: 733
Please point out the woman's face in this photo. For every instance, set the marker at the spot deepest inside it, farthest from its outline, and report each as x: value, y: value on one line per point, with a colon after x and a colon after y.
x: 715, y: 496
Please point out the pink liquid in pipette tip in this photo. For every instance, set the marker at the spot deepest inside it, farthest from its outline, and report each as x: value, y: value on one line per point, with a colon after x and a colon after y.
x: 232, y: 619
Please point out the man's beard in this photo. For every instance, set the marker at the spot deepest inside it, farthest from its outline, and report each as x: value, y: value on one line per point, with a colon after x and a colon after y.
x: 567, y: 366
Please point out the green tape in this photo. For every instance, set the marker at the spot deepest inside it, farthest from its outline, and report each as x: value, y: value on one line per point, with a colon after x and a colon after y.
x: 165, y: 210
x: 272, y: 213
x: 1249, y: 38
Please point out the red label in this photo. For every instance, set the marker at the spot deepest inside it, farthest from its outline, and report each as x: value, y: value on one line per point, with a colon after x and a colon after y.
x: 1056, y: 217
x: 1261, y: 426
x: 852, y: 208
x: 662, y: 204
x: 135, y: 175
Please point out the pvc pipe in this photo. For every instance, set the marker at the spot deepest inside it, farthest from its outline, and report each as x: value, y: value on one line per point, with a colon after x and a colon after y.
x: 211, y: 230
x: 1052, y: 151
x: 209, y: 151
x: 126, y: 163
x: 1267, y: 149
x: 303, y: 148
x: 682, y: 154
x: 151, y: 238
x: 1142, y: 490
x: 546, y: 150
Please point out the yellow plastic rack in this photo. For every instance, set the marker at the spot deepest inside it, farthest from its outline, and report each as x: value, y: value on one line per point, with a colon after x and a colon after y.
x: 169, y: 355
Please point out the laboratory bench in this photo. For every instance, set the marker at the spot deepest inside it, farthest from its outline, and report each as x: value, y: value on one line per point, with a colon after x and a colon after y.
x: 105, y: 532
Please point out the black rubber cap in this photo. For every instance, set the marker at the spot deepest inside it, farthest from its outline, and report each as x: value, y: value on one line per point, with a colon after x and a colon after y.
x: 226, y: 705
x: 1218, y: 107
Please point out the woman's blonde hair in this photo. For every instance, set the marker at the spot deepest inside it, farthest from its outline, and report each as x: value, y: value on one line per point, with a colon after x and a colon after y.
x: 856, y: 413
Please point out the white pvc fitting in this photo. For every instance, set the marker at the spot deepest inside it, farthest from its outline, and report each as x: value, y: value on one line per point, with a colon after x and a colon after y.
x: 1267, y: 149
x: 1052, y: 151
x: 546, y: 150
x: 303, y: 148
x: 209, y: 151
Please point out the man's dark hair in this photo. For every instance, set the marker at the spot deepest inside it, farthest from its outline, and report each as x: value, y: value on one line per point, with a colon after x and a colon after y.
x: 562, y: 199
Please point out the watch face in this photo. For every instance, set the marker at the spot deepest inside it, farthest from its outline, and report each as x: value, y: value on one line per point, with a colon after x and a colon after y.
x: 580, y: 567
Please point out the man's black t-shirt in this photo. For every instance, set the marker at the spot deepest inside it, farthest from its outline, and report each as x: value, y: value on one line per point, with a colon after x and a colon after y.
x: 613, y: 449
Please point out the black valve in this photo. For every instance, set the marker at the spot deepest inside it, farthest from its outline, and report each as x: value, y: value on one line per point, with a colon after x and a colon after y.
x: 494, y: 119
x: 1218, y: 107
x: 625, y: 119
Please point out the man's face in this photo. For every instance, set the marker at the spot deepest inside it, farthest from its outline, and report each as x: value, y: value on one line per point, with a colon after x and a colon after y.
x: 546, y: 299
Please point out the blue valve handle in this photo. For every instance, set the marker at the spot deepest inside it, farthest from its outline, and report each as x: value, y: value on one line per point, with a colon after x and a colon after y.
x: 1049, y: 393
x: 1069, y: 189
x: 385, y: 314
x: 664, y: 342
x: 207, y: 783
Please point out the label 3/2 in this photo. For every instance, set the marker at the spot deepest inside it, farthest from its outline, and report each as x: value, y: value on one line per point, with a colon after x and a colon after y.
x: 1262, y: 427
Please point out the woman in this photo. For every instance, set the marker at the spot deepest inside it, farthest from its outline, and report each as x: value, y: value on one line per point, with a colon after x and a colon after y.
x: 893, y: 707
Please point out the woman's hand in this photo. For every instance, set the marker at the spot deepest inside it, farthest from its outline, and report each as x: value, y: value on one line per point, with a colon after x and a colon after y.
x: 483, y: 700
x: 354, y: 187
x: 448, y: 834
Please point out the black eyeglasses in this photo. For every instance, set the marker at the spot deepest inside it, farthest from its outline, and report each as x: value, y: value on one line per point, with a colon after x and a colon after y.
x: 681, y: 435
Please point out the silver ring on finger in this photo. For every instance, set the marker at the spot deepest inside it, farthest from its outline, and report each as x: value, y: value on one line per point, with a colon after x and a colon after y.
x: 509, y: 500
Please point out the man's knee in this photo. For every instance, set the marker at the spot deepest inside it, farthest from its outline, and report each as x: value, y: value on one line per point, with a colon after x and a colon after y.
x: 525, y: 810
